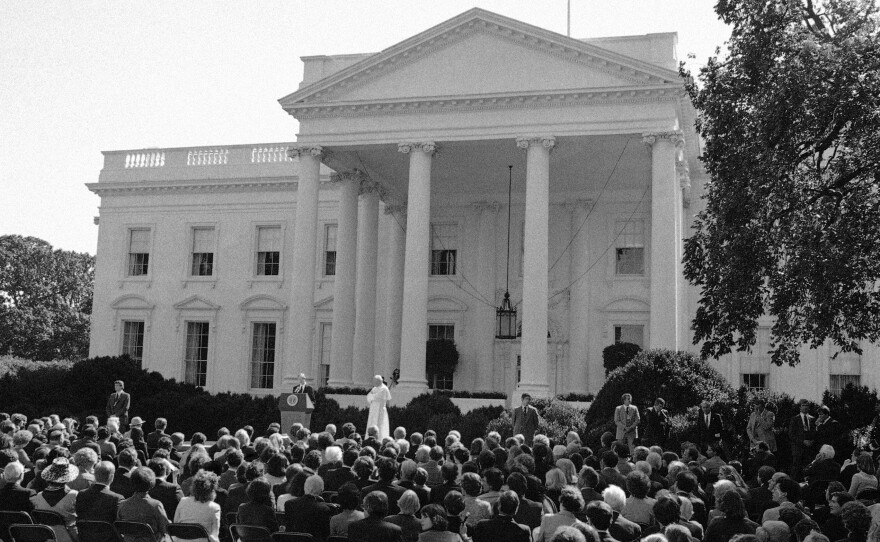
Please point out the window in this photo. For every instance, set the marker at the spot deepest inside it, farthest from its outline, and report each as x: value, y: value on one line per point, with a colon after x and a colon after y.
x: 630, y: 334
x: 444, y: 240
x: 440, y: 380
x: 138, y: 252
x: 268, y: 250
x: 839, y: 382
x: 263, y: 355
x: 133, y: 340
x: 202, y: 252
x: 196, y: 356
x: 630, y: 247
x: 755, y: 381
x: 326, y: 351
x: 330, y: 250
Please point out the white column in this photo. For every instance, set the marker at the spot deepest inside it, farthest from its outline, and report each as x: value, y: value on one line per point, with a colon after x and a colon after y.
x: 414, y: 327
x: 394, y: 285
x: 303, y: 261
x: 485, y: 323
x: 365, y: 312
x: 342, y: 335
x: 584, y: 374
x: 665, y: 264
x: 535, y: 265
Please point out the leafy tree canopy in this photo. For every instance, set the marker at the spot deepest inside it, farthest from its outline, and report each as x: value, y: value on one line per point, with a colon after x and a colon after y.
x: 791, y: 124
x: 45, y: 299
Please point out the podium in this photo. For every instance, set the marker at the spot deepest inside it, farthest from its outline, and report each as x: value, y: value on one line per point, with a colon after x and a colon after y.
x: 295, y: 408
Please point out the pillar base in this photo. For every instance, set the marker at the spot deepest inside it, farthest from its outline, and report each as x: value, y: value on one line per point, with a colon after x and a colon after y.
x: 537, y: 391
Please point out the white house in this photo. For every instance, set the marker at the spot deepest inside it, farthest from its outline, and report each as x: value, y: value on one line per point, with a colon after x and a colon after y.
x: 386, y: 223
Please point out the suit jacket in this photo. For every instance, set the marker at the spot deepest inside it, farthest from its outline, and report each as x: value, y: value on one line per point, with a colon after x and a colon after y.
x: 626, y: 418
x: 168, y: 494
x: 98, y: 503
x: 525, y: 422
x: 118, y: 406
x: 624, y: 530
x: 391, y: 491
x: 308, y: 390
x: 798, y: 432
x: 656, y: 426
x: 14, y: 497
x: 529, y: 513
x: 833, y: 433
x: 153, y: 439
x: 501, y: 528
x: 309, y: 514
x: 122, y: 483
x: 712, y: 431
x: 372, y: 529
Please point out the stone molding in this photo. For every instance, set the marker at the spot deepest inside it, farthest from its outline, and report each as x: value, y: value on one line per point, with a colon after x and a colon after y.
x: 428, y: 147
x: 295, y: 151
x: 524, y: 142
x: 676, y: 137
x: 125, y: 187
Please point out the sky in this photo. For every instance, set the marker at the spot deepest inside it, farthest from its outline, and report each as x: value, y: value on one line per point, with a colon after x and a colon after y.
x: 78, y: 78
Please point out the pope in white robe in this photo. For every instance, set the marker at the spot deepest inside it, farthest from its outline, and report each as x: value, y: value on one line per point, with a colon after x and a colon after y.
x: 378, y: 398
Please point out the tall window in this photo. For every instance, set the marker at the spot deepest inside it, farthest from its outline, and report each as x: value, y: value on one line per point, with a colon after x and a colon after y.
x: 330, y: 250
x: 444, y: 251
x: 441, y: 380
x: 202, y: 252
x: 844, y: 368
x: 754, y: 381
x: 268, y: 250
x: 196, y: 357
x: 839, y: 382
x: 326, y: 350
x: 263, y: 355
x: 133, y: 340
x: 630, y: 247
x: 138, y: 252
x: 630, y: 334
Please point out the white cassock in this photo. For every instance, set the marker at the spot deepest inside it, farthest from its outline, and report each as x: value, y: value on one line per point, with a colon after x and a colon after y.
x: 378, y: 399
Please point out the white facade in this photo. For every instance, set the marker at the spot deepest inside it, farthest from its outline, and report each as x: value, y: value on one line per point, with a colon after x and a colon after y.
x: 400, y: 167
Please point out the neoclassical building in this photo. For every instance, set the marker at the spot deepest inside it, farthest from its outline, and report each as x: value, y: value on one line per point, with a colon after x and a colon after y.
x: 387, y: 223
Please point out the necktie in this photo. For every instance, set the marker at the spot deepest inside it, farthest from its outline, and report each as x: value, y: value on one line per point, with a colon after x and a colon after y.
x: 804, y: 418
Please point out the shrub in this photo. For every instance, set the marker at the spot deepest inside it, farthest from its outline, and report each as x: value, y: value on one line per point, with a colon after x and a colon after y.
x: 558, y: 418
x: 503, y: 424
x: 681, y: 378
x: 617, y: 355
x: 345, y: 390
x: 579, y: 397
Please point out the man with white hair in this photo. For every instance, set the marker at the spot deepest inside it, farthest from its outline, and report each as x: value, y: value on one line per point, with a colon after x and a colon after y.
x: 335, y: 474
x: 309, y: 513
x: 621, y: 528
x: 12, y: 495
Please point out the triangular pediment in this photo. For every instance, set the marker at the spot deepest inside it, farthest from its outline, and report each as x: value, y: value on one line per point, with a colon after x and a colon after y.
x: 480, y: 53
x: 196, y: 303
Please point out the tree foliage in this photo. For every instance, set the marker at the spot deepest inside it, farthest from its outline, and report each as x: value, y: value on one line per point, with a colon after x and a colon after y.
x: 790, y: 118
x: 618, y: 354
x: 45, y: 299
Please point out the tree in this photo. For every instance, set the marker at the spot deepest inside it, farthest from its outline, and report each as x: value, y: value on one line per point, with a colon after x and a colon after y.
x: 618, y: 354
x: 45, y: 299
x: 791, y: 228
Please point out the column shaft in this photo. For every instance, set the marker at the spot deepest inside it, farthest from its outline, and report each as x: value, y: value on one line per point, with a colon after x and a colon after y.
x: 303, y: 262
x: 365, y: 312
x: 394, y: 284
x: 414, y: 329
x: 484, y: 331
x: 342, y: 336
x: 535, y: 266
x: 584, y: 374
x: 665, y: 263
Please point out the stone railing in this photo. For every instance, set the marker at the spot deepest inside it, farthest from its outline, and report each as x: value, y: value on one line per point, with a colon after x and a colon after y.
x: 186, y: 163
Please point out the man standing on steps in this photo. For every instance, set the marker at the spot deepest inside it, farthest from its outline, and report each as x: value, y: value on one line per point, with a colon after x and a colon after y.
x: 626, y: 418
x: 118, y: 403
x: 525, y: 419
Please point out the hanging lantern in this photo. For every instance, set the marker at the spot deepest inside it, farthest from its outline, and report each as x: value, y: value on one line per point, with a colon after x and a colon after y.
x: 506, y: 319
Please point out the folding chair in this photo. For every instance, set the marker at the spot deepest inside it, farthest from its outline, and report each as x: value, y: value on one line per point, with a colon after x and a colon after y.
x: 292, y: 537
x: 249, y: 533
x: 31, y: 533
x: 8, y: 517
x: 48, y: 517
x: 97, y: 531
x: 187, y: 531
x: 134, y: 531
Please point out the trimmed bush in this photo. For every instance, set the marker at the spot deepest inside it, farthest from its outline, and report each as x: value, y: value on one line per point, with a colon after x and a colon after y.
x: 618, y: 354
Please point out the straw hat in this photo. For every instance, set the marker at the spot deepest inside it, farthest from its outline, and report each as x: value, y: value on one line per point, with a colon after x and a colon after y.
x: 60, y: 471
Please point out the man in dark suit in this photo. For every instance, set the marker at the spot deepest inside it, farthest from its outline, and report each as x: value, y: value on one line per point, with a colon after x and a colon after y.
x: 165, y: 492
x: 503, y: 526
x: 656, y: 424
x: 374, y: 528
x: 13, y: 497
x: 98, y: 503
x: 121, y: 482
x: 118, y: 404
x: 309, y: 513
x: 802, y: 434
x: 830, y: 431
x: 525, y: 419
x: 709, y: 425
x: 387, y: 468
x: 528, y: 512
x: 303, y: 387
x: 153, y: 438
x: 600, y: 516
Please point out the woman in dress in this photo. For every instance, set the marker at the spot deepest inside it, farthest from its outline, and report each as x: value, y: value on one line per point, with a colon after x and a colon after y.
x: 378, y: 400
x: 200, y: 507
x: 58, y: 497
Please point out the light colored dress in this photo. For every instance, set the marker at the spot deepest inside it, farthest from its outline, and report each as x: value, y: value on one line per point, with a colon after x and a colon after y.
x: 378, y: 400
x: 67, y: 508
x: 206, y: 514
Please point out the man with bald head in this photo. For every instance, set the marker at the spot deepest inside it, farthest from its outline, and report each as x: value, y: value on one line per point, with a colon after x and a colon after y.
x: 98, y: 503
x: 12, y: 495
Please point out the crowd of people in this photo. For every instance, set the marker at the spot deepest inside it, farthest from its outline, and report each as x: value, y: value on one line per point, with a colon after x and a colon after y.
x: 429, y: 487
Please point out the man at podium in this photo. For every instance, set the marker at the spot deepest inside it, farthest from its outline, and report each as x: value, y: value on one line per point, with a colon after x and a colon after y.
x: 303, y: 387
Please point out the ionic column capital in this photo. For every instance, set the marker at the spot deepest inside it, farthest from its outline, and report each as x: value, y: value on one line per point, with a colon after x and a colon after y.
x: 490, y: 206
x: 675, y: 137
x: 428, y: 147
x: 296, y: 151
x: 524, y: 142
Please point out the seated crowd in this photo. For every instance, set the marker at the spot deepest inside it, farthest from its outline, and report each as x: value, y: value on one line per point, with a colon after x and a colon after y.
x: 424, y: 487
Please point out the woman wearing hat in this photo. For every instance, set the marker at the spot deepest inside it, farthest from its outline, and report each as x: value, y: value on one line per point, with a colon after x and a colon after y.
x: 58, y: 497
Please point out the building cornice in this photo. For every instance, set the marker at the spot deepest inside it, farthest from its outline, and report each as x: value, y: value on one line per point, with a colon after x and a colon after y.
x: 282, y: 184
